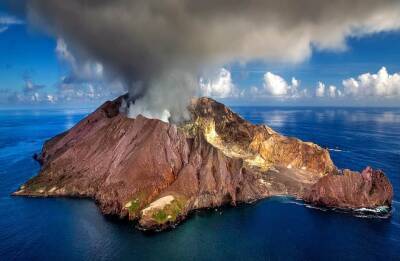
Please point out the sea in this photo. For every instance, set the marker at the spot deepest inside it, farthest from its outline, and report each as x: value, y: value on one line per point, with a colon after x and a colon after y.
x: 278, y: 228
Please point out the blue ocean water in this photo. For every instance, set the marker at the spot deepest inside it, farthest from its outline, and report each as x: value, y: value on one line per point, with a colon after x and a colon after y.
x: 272, y: 229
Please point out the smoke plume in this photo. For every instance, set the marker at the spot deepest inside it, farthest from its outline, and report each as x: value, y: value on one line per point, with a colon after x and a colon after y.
x: 159, y: 48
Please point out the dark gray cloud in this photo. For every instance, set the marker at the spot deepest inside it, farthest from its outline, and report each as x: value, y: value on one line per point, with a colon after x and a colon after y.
x: 85, y: 80
x: 157, y: 48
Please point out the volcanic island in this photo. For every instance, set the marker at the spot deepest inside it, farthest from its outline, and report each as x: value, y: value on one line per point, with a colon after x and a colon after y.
x: 156, y: 173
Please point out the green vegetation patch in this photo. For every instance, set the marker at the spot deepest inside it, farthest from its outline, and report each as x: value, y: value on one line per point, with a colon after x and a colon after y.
x: 37, y: 187
x: 160, y: 216
x: 133, y: 206
x: 170, y: 212
x: 136, y: 204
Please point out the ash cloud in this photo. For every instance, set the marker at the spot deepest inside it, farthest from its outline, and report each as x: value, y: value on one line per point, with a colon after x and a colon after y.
x: 158, y: 49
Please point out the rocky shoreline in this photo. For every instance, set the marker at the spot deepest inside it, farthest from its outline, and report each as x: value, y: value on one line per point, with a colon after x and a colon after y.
x: 155, y: 173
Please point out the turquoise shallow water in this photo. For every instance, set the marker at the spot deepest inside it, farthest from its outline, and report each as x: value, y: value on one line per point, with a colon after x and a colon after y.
x: 272, y: 229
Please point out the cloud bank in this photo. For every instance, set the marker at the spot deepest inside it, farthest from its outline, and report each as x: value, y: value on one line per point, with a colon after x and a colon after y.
x: 367, y: 86
x: 374, y: 86
x: 157, y: 49
x: 380, y: 84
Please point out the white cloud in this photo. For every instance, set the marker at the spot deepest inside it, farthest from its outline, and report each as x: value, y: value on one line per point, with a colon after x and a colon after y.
x: 274, y: 85
x: 51, y: 98
x: 29, y: 98
x: 220, y: 87
x: 320, y: 90
x: 381, y: 84
x: 331, y: 91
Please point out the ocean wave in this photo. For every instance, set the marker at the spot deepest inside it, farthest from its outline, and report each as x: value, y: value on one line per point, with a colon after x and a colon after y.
x: 336, y: 150
x: 300, y: 203
x: 371, y: 216
x: 315, y: 207
x: 378, y: 212
x: 379, y: 209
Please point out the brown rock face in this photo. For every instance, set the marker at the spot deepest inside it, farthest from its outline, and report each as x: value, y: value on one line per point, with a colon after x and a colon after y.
x: 371, y: 188
x: 155, y: 172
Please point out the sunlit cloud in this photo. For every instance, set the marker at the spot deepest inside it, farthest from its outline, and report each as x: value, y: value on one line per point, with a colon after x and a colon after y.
x: 275, y: 86
x: 380, y: 84
x: 221, y: 86
x: 330, y: 91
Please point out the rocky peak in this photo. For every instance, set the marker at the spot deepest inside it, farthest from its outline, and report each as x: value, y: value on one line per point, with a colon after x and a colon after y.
x: 258, y: 145
x: 156, y: 173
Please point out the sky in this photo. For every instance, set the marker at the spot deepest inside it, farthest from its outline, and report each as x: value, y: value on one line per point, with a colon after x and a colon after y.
x: 38, y: 68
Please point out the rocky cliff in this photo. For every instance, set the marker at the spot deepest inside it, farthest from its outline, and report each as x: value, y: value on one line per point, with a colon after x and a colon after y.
x: 156, y: 173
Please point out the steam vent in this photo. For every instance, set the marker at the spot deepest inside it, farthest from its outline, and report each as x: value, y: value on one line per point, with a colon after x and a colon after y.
x: 155, y: 173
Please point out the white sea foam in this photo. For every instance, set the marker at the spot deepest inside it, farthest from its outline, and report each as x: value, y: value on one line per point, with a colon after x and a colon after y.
x: 378, y: 212
x: 336, y: 150
x: 315, y: 207
x: 380, y: 209
x: 300, y: 203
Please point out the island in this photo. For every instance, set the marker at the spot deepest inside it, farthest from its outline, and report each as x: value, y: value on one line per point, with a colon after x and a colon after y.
x: 156, y: 173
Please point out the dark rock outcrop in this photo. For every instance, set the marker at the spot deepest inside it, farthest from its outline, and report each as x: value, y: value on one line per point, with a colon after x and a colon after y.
x: 352, y: 190
x: 154, y: 172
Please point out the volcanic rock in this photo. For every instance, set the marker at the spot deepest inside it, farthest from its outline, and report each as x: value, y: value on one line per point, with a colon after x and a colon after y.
x: 156, y: 173
x: 369, y: 189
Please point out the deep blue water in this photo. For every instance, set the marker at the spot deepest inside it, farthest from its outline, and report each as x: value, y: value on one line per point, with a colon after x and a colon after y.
x: 273, y: 229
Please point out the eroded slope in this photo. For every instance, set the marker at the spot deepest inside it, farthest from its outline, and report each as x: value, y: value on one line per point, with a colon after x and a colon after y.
x: 156, y: 173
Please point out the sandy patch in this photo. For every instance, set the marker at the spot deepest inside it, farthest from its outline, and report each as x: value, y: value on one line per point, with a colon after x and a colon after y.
x: 158, y: 204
